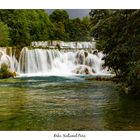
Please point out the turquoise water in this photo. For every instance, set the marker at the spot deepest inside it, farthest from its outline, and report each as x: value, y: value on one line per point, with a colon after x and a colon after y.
x: 65, y: 103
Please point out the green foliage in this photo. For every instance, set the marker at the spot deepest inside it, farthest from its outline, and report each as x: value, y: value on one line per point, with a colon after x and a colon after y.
x: 60, y: 32
x: 70, y: 29
x: 59, y: 16
x: 5, y: 72
x: 97, y: 15
x: 40, y: 25
x: 4, y: 34
x: 79, y: 30
x: 26, y: 26
x: 4, y: 68
x: 117, y: 34
x: 19, y: 29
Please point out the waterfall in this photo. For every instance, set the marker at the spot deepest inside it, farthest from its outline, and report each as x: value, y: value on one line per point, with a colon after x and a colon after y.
x: 54, y: 62
x: 5, y: 59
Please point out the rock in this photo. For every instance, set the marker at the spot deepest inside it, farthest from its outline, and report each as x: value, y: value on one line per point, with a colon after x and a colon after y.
x: 82, y: 69
x: 86, y: 54
x: 95, y: 52
x: 80, y: 57
x: 14, y: 74
x: 58, y: 46
x: 9, y: 51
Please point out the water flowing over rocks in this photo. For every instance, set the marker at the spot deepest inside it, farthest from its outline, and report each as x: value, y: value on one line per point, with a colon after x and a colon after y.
x: 40, y: 61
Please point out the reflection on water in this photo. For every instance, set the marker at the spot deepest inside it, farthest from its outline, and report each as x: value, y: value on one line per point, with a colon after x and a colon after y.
x: 63, y: 103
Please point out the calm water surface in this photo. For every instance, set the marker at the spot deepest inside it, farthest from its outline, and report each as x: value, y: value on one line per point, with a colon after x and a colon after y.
x: 65, y: 103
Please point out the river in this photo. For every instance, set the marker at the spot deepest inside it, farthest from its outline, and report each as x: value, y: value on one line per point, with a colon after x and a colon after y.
x: 65, y: 103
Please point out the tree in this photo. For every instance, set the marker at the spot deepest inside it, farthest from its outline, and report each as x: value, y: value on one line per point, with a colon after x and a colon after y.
x: 97, y: 15
x: 41, y: 28
x: 26, y: 26
x: 79, y: 30
x: 59, y: 16
x: 4, y: 34
x: 117, y: 34
x: 60, y: 32
x: 20, y: 30
x: 70, y: 29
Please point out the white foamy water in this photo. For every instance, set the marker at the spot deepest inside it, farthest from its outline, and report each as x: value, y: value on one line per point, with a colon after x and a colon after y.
x: 43, y: 62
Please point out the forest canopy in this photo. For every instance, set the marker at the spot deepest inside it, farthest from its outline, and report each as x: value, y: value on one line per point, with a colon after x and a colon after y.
x: 21, y: 27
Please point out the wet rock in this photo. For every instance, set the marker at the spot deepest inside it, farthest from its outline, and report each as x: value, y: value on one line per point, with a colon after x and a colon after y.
x: 9, y: 51
x: 58, y: 46
x: 86, y: 54
x: 82, y: 69
x: 95, y: 52
x: 80, y: 57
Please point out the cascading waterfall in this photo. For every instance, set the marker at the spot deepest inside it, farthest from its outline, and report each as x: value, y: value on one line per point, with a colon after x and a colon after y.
x: 54, y: 62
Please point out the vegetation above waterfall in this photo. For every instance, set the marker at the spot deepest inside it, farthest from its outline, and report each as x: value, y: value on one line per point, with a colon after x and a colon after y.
x: 4, y: 34
x: 21, y: 27
x: 117, y: 33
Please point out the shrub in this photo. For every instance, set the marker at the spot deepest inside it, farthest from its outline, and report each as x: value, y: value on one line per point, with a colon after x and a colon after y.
x: 5, y: 72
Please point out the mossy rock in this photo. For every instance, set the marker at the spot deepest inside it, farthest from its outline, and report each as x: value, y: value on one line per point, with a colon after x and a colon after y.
x: 17, y: 52
x: 5, y: 72
x: 9, y: 51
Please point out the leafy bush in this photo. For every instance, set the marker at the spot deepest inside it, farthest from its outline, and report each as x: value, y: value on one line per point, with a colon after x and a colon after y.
x: 117, y: 33
x: 5, y: 72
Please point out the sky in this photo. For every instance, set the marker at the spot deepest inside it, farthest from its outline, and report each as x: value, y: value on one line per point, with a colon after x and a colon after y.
x: 73, y: 13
